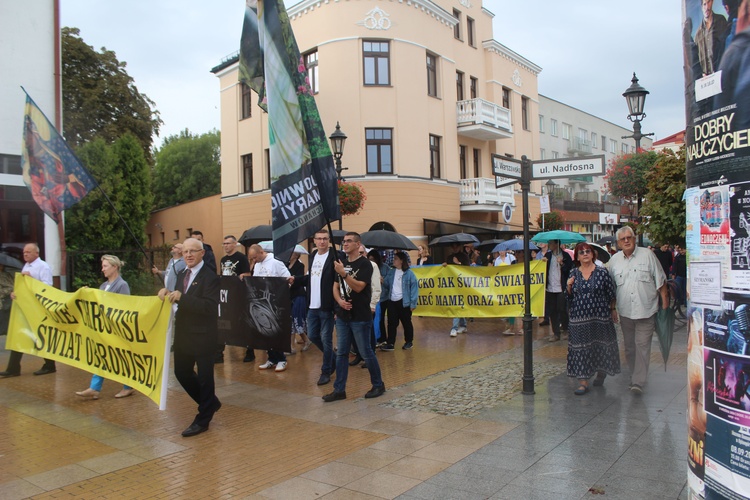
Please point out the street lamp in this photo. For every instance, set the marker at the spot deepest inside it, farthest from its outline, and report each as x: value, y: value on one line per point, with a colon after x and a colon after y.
x: 550, y: 185
x: 338, y: 139
x: 635, y: 96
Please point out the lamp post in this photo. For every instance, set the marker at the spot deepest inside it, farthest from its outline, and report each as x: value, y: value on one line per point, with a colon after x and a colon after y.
x: 338, y: 139
x: 635, y: 96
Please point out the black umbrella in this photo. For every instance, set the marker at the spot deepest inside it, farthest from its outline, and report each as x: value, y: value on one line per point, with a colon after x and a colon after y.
x: 460, y: 238
x: 337, y: 236
x: 256, y: 235
x: 607, y: 239
x: 8, y: 261
x: 601, y: 252
x: 489, y: 244
x: 382, y: 238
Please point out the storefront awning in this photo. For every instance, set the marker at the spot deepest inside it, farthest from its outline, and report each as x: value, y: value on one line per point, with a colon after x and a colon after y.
x: 483, y: 230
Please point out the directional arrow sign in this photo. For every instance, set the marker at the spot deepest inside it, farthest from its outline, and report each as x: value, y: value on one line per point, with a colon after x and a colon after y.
x: 567, y: 167
x: 506, y: 167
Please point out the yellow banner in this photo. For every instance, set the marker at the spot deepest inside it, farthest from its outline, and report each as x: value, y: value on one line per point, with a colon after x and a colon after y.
x: 479, y: 292
x: 120, y: 337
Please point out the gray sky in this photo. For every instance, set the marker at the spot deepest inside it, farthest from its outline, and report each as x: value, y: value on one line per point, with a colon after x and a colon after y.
x: 583, y: 47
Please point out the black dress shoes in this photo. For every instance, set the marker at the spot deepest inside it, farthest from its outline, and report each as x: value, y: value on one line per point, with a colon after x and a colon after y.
x: 357, y: 360
x: 334, y: 396
x: 375, y: 392
x: 217, y: 406
x: 7, y: 374
x: 249, y: 356
x: 45, y: 370
x: 194, y: 430
x: 324, y: 379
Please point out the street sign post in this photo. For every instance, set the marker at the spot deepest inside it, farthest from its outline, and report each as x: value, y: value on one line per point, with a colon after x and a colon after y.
x: 506, y: 167
x: 567, y: 167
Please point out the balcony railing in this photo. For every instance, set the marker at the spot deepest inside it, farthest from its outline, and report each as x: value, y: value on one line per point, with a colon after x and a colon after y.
x: 578, y: 145
x: 483, y: 119
x: 482, y: 191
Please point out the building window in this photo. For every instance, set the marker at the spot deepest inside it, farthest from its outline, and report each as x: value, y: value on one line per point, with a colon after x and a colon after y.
x: 473, y: 87
x: 434, y: 156
x: 553, y: 127
x: 541, y: 124
x: 566, y: 131
x: 268, y: 167
x: 555, y: 154
x: 246, y: 100
x: 525, y: 113
x: 624, y: 148
x: 10, y: 164
x: 477, y: 163
x: 542, y: 154
x: 462, y: 162
x: 247, y: 173
x: 311, y: 63
x: 379, y: 148
x: 377, y: 57
x: 594, y: 139
x: 506, y: 98
x: 612, y: 146
x: 459, y: 86
x: 604, y: 143
x: 583, y: 134
x: 457, y: 27
x: 470, y: 32
x: 432, y: 75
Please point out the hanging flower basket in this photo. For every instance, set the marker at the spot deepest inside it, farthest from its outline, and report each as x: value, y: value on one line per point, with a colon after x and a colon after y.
x: 351, y: 198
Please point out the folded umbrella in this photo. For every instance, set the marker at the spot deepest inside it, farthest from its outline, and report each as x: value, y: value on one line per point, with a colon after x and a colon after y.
x: 665, y: 332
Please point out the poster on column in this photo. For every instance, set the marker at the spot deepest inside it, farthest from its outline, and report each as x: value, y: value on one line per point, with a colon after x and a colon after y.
x: 716, y: 45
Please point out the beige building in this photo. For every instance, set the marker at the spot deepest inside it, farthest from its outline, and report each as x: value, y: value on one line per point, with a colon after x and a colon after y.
x: 425, y: 95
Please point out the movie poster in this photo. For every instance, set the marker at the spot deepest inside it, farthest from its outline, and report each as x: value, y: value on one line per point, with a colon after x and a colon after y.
x: 716, y: 45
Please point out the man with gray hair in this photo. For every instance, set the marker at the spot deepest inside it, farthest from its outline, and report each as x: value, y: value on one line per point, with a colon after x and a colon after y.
x: 640, y: 280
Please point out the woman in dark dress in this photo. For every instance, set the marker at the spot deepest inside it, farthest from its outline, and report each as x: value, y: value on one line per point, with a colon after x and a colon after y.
x: 592, y: 345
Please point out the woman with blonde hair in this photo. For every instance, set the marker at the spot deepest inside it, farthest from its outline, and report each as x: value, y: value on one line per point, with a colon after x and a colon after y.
x: 111, y: 266
x: 423, y: 256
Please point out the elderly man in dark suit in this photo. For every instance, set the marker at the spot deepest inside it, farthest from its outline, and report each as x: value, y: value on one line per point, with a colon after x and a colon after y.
x: 197, y: 299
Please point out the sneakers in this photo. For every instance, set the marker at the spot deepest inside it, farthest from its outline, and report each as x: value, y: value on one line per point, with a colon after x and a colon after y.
x: 553, y: 339
x: 636, y: 389
x: 387, y: 348
x: 281, y: 366
x: 407, y: 346
x: 306, y: 346
x: 267, y: 365
x: 508, y: 333
x: 461, y: 329
x: 454, y: 333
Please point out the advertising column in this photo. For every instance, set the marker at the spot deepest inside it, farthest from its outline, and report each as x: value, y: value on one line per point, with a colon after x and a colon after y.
x: 716, y: 44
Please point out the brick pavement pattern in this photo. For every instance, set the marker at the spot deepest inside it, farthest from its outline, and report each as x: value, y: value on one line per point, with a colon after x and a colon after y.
x: 275, y: 438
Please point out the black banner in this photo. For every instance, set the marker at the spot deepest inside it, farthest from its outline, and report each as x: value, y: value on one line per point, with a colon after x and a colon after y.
x: 256, y: 313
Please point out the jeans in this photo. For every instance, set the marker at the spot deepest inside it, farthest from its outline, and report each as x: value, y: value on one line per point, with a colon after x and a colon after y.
x: 459, y: 323
x: 345, y: 331
x: 97, y: 381
x: 320, y: 333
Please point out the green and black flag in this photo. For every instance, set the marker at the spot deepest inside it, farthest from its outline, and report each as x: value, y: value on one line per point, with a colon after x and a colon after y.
x: 304, y: 190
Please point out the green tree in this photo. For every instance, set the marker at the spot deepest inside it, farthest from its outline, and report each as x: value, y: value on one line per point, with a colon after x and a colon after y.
x: 663, y: 204
x: 187, y: 168
x: 123, y: 173
x: 100, y: 99
x: 626, y: 175
x: 553, y: 220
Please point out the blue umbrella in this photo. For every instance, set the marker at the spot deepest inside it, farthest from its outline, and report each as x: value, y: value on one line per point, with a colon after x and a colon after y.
x: 560, y: 235
x: 514, y: 244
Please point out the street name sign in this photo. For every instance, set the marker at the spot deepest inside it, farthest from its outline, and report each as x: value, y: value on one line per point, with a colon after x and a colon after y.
x: 506, y: 167
x: 567, y: 167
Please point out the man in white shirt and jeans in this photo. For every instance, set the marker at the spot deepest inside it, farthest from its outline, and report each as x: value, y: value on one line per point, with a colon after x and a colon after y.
x: 39, y: 270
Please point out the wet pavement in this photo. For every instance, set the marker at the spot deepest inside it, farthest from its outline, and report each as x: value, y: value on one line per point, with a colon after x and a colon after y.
x: 452, y: 424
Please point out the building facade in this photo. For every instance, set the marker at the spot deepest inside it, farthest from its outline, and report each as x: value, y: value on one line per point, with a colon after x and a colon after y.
x: 425, y: 96
x: 29, y: 57
x: 565, y: 131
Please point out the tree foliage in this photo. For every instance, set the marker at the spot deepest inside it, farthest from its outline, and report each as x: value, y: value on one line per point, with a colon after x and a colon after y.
x: 552, y: 221
x: 664, y: 205
x: 100, y: 99
x: 187, y: 168
x: 626, y: 175
x: 123, y: 173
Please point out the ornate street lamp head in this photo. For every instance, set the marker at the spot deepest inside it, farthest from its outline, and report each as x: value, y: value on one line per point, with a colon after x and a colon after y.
x: 337, y: 138
x: 636, y: 99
